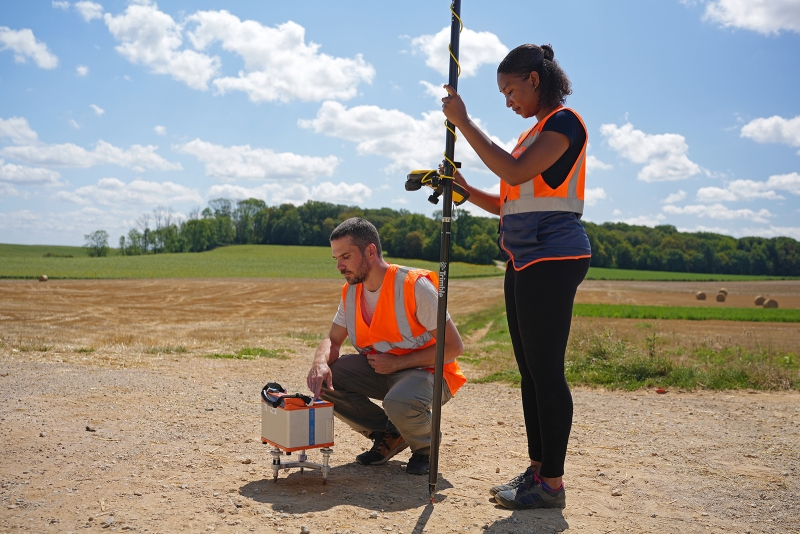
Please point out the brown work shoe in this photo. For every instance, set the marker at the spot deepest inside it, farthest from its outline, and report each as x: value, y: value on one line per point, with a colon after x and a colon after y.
x: 385, y: 445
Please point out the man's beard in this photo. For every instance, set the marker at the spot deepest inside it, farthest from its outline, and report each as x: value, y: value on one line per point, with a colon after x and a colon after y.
x: 360, y: 275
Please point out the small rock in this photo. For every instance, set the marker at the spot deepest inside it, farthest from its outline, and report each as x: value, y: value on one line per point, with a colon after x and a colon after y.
x: 704, y: 514
x: 209, y: 409
x: 497, y: 470
x: 137, y: 493
x: 90, y: 429
x: 373, y: 515
x: 304, y: 530
x: 247, y: 461
x: 184, y: 486
x: 108, y: 522
x: 601, y: 474
x: 42, y: 435
x: 616, y: 492
x: 653, y: 515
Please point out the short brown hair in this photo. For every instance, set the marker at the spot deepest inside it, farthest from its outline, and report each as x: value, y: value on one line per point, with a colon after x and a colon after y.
x: 361, y: 231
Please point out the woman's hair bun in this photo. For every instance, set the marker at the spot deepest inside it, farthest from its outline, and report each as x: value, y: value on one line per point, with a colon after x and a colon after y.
x: 547, y: 52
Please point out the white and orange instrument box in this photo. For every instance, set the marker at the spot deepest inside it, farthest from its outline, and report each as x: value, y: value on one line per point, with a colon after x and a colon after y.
x: 295, y: 425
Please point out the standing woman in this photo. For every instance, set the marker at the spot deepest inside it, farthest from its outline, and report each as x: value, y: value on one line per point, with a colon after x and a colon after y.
x: 546, y: 249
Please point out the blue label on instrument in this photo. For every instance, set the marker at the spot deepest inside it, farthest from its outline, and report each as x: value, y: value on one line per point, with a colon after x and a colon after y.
x: 311, y: 431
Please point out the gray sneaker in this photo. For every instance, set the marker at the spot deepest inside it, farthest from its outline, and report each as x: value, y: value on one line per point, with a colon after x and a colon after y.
x: 532, y: 495
x: 514, y: 483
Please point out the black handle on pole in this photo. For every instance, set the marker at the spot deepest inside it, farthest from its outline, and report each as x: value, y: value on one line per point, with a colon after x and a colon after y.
x: 444, y: 259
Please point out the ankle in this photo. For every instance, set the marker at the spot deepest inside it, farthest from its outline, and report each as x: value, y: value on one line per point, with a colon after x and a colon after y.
x: 552, y: 484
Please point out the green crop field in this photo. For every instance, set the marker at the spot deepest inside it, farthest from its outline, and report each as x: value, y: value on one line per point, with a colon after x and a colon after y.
x: 687, y: 313
x: 254, y: 261
x: 241, y: 261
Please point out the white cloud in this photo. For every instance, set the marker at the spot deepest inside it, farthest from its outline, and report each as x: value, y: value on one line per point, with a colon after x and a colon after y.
x: 774, y: 130
x: 751, y: 189
x: 18, y: 130
x: 81, y: 70
x: 720, y: 212
x: 672, y: 198
x: 22, y: 175
x: 295, y: 193
x: 24, y: 46
x: 341, y: 192
x: 97, y: 109
x: 437, y: 92
x: 644, y: 220
x: 762, y: 16
x: 89, y: 10
x: 152, y: 38
x: 772, y: 231
x: 616, y: 212
x: 114, y: 192
x: 137, y: 157
x: 475, y: 49
x: 664, y: 154
x: 410, y: 143
x: 278, y: 63
x: 593, y: 195
x: 61, y: 4
x: 160, y: 130
x: 593, y: 164
x: 245, y: 162
x: 75, y: 124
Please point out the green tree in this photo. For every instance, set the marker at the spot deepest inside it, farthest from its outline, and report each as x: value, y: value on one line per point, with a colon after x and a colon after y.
x: 97, y: 243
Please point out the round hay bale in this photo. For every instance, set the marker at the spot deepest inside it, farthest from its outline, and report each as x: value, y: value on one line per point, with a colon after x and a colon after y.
x: 724, y: 291
x: 771, y: 303
x: 700, y: 295
x: 720, y: 297
x: 760, y: 300
x: 43, y: 278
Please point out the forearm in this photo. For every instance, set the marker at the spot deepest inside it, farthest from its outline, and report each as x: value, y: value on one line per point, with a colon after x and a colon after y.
x: 327, y: 352
x: 482, y: 199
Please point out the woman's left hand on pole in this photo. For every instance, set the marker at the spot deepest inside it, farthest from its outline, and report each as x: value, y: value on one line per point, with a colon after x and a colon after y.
x: 453, y: 107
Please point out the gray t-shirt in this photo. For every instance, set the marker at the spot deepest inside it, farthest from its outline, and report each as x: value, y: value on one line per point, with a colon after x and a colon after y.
x: 427, y: 304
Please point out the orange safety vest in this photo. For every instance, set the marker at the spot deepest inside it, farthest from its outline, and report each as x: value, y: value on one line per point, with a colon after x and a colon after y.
x: 535, y: 194
x: 394, y: 328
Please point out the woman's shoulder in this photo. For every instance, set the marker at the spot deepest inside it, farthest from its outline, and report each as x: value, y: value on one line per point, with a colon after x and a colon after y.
x: 567, y: 122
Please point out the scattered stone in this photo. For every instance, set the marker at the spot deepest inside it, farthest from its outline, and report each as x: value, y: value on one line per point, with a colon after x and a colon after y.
x: 137, y: 493
x: 497, y: 470
x: 209, y: 409
x: 42, y: 435
x: 43, y: 278
x: 304, y: 530
x: 90, y: 429
x: 704, y: 514
x: 616, y: 492
x: 108, y: 522
x: 700, y: 295
x: 759, y: 300
x: 373, y: 515
x: 601, y: 474
x: 247, y: 461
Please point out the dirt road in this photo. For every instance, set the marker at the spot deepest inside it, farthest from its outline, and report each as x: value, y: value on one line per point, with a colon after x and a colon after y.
x: 114, y: 420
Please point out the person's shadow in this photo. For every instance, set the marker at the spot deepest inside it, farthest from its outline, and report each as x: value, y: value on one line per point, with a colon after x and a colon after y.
x: 530, y: 521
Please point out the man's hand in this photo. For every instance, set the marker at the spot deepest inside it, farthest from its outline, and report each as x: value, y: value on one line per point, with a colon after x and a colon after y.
x: 320, y: 373
x: 384, y: 364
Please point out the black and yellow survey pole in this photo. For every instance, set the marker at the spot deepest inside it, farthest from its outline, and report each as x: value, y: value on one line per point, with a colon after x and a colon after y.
x: 444, y: 256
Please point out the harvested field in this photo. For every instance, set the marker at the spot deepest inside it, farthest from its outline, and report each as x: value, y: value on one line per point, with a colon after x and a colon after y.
x: 173, y: 441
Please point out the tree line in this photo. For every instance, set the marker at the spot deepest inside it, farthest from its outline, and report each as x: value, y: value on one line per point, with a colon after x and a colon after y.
x: 473, y: 239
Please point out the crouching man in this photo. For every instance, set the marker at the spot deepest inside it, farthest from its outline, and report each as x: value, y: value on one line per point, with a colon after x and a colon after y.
x: 389, y: 314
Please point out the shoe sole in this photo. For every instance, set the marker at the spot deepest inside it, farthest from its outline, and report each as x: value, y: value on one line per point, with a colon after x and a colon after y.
x: 392, y: 453
x: 514, y: 505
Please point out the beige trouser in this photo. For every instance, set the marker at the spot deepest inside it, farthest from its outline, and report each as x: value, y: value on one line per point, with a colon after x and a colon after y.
x: 407, y: 397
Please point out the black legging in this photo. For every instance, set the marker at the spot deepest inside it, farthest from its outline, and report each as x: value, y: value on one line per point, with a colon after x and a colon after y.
x: 539, y: 310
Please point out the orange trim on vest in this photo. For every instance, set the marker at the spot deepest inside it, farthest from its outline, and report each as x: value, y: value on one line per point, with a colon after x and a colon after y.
x: 384, y: 322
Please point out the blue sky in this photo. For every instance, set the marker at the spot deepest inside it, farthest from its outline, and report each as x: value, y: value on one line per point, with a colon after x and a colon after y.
x: 112, y: 109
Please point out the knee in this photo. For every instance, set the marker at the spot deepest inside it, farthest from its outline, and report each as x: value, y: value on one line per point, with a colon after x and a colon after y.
x: 397, y: 408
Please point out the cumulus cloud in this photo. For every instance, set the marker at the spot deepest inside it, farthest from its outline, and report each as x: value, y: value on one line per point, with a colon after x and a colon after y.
x: 278, y: 63
x: 644, y: 220
x: 774, y: 130
x: 81, y: 70
x: 762, y: 16
x: 664, y: 154
x: 25, y: 46
x: 720, y: 212
x: 475, y: 49
x: 233, y: 162
x: 114, y: 192
x: 672, y: 198
x: 408, y: 142
x: 751, y: 189
x: 593, y: 195
x: 344, y: 193
x: 772, y: 231
x: 89, y: 10
x: 594, y: 164
x: 22, y: 175
x: 30, y: 150
x: 75, y: 124
x: 61, y: 4
x: 295, y: 193
x: 160, y: 130
x: 152, y: 38
x: 97, y: 109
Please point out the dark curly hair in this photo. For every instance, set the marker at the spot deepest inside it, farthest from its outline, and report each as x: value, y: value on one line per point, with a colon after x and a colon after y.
x: 527, y: 58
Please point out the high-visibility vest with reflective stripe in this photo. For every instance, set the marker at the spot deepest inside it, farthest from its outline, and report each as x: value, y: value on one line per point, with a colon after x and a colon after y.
x: 394, y: 328
x: 535, y: 194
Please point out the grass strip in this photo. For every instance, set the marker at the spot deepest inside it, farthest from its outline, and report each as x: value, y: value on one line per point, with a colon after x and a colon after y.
x: 687, y: 313
x: 602, y: 359
x: 251, y: 353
